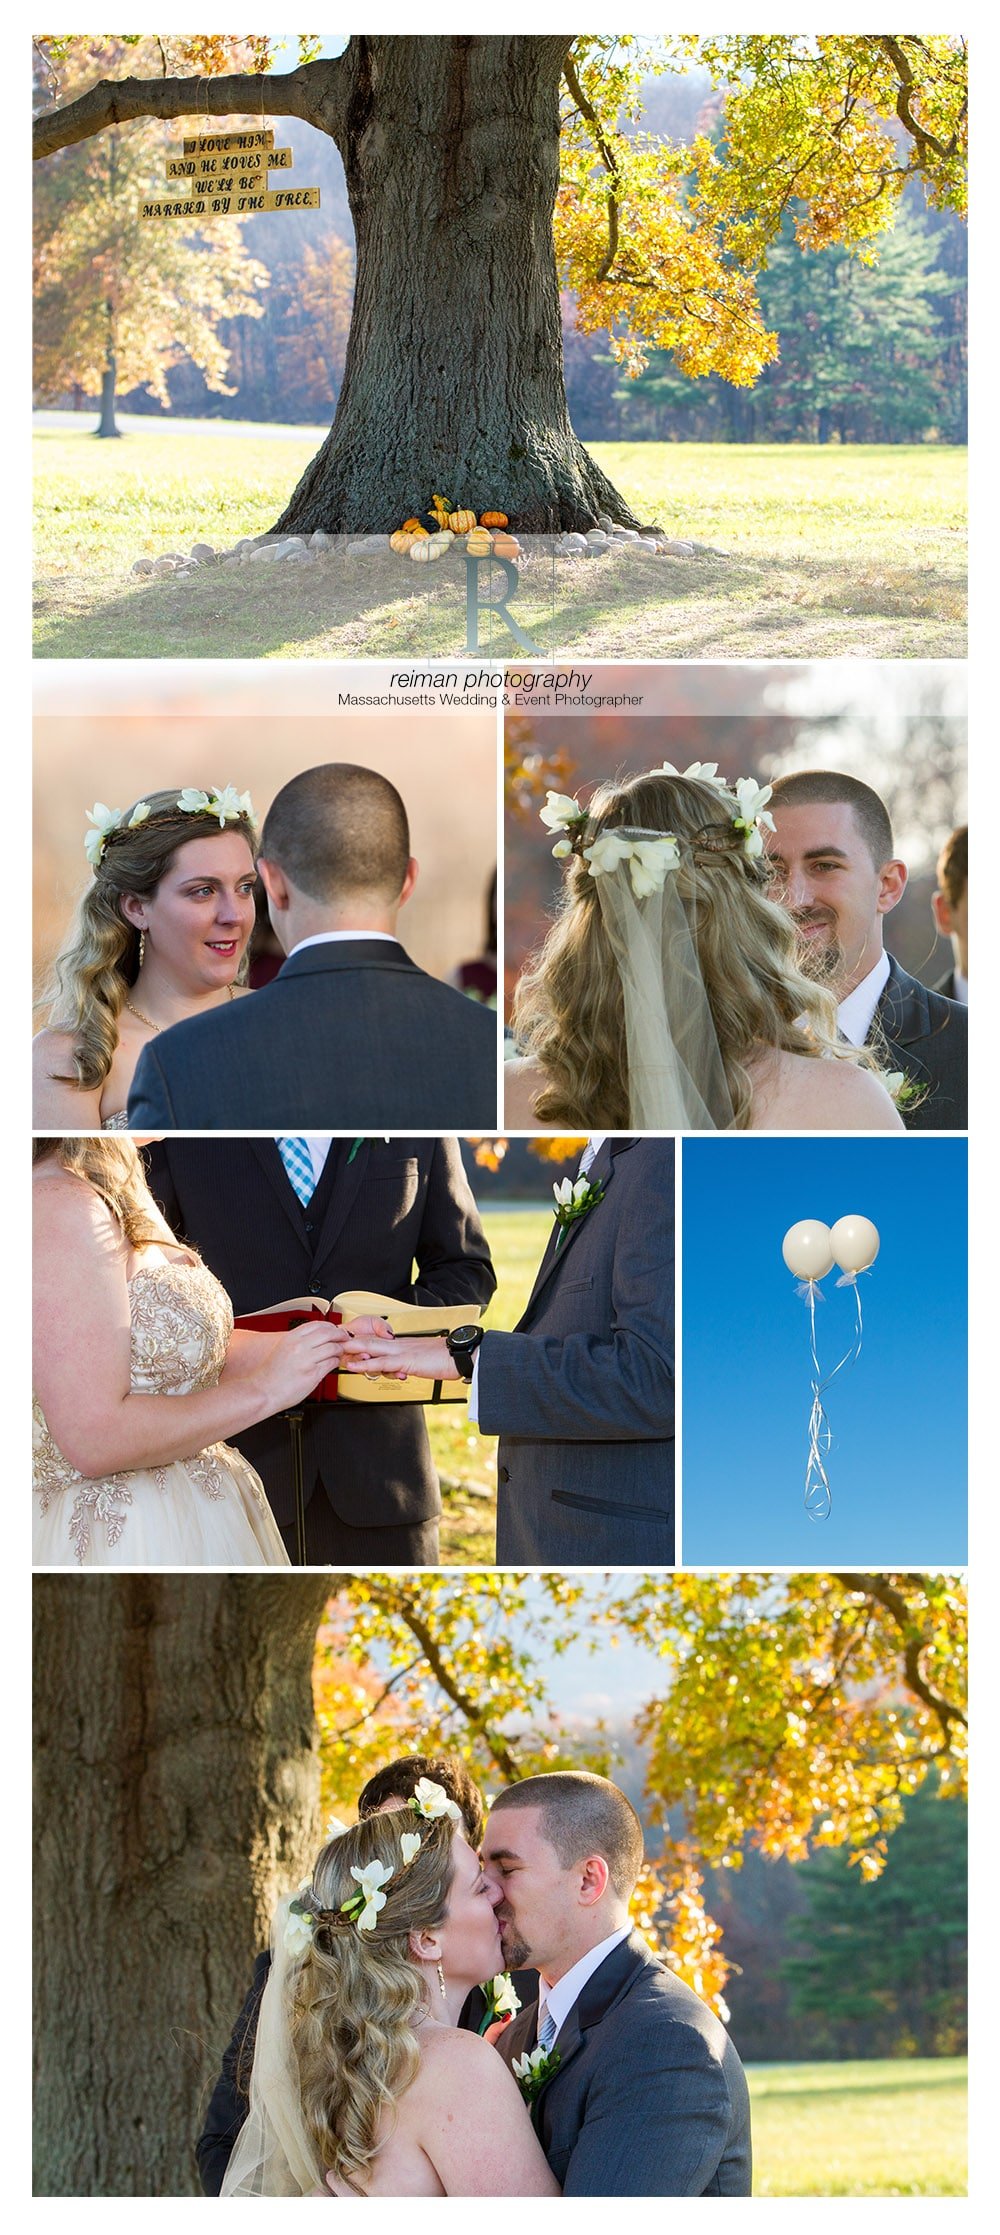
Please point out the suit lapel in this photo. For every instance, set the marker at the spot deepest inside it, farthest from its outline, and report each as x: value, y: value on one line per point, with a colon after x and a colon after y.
x: 268, y: 1156
x: 347, y: 1179
x: 602, y: 1989
x: 903, y: 1013
x: 557, y: 1250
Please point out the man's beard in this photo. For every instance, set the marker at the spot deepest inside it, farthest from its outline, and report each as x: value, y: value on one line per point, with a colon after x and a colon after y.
x: 822, y: 960
x: 516, y: 1953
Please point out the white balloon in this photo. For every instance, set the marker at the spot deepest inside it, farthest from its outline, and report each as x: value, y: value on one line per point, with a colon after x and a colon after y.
x: 807, y: 1249
x: 855, y: 1243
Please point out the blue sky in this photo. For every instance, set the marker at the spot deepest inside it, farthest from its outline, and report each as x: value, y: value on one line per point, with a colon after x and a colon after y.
x: 897, y: 1467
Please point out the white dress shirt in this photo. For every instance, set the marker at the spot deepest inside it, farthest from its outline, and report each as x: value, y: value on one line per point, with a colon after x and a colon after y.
x: 326, y: 938
x: 856, y: 1010
x: 560, y: 1999
x: 960, y: 988
x: 595, y: 1141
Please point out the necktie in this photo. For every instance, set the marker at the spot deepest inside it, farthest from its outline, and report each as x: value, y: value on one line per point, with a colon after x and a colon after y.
x: 546, y: 2030
x: 294, y: 1152
x: 586, y: 1160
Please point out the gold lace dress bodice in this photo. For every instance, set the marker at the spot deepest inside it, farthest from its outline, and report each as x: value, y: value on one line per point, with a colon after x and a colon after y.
x: 209, y: 1510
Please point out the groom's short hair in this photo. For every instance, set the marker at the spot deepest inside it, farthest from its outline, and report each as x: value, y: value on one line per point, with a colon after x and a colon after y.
x: 399, y: 1781
x: 827, y: 787
x: 583, y: 1815
x: 338, y: 829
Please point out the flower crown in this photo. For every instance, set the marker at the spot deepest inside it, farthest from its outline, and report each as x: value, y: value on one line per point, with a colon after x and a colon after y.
x: 650, y: 854
x: 306, y: 1914
x: 110, y: 823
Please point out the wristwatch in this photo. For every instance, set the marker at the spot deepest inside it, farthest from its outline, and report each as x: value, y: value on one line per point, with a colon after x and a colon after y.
x: 463, y: 1343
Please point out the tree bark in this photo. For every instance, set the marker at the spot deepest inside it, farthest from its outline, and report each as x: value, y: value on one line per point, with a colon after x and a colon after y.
x: 177, y: 1797
x: 107, y: 425
x: 453, y: 381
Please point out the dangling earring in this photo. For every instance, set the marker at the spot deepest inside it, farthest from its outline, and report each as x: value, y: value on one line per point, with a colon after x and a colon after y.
x: 441, y: 1984
x: 142, y: 948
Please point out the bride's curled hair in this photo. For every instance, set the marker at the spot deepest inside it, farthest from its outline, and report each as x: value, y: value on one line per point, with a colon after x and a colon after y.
x: 109, y: 1163
x: 569, y: 1010
x: 357, y: 1995
x: 99, y: 960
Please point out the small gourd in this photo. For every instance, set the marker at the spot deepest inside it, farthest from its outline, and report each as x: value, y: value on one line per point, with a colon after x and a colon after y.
x: 401, y: 541
x: 461, y: 522
x: 480, y: 543
x: 441, y: 509
x: 506, y: 546
x: 413, y: 527
x: 493, y: 520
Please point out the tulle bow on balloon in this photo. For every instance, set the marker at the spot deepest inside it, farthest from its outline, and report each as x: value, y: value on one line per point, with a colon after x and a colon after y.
x: 811, y: 1250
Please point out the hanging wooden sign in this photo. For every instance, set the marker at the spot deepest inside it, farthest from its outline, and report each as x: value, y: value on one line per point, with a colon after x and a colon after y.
x: 226, y: 174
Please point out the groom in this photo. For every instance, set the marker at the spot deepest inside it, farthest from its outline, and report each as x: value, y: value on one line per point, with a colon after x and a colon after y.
x: 643, y: 2093
x: 582, y: 1393
x: 350, y: 1034
x: 307, y: 1215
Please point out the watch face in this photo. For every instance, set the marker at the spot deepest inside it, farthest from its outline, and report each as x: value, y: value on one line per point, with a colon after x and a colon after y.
x: 463, y: 1335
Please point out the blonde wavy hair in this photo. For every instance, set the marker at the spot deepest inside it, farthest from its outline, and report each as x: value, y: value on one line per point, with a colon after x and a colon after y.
x: 358, y: 1995
x: 568, y: 1013
x: 109, y: 1163
x: 99, y: 961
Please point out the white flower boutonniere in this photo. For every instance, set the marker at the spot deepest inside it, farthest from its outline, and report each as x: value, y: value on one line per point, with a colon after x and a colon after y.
x: 533, y: 2069
x: 573, y: 1199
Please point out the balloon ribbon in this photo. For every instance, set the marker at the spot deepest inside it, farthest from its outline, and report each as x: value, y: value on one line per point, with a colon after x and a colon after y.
x: 817, y: 1494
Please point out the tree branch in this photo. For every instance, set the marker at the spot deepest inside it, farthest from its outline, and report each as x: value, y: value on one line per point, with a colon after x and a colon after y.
x: 884, y: 1594
x: 924, y: 141
x: 316, y: 92
x: 405, y: 1608
x: 590, y: 116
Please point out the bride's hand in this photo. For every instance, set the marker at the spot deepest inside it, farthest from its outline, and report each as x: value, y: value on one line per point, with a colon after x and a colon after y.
x: 425, y: 1355
x: 290, y: 1366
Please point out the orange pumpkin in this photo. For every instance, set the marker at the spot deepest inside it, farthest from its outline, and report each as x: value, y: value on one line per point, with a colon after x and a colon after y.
x: 401, y: 541
x: 506, y: 546
x: 413, y: 527
x: 461, y: 522
x: 493, y: 519
x: 480, y: 543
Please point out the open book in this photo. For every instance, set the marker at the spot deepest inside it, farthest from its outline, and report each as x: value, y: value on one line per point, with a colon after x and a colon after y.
x: 404, y: 1319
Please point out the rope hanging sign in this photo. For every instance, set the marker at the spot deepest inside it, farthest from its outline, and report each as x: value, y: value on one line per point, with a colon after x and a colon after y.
x: 811, y: 1250
x: 227, y: 176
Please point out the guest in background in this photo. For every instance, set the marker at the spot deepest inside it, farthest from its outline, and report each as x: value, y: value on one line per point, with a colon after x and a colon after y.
x: 950, y: 904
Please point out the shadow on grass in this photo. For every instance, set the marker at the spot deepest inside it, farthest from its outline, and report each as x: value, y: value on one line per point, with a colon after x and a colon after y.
x: 370, y: 608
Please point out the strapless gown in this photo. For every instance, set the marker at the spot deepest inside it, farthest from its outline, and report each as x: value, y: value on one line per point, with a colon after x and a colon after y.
x: 206, y: 1511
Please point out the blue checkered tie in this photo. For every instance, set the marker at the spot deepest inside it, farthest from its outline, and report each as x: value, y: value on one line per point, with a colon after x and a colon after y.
x: 294, y: 1151
x: 547, y: 2030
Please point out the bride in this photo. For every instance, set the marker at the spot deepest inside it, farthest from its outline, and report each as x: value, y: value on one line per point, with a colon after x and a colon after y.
x: 160, y: 934
x: 362, y: 2084
x: 668, y: 992
x: 138, y: 1374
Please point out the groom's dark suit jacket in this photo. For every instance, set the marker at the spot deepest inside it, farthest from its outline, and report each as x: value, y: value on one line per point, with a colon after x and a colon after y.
x: 927, y: 1037
x: 398, y: 1217
x: 582, y: 1393
x: 350, y: 1036
x: 649, y: 2096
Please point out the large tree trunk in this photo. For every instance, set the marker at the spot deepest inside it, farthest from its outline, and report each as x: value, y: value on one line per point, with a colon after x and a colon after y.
x: 454, y: 374
x: 176, y: 1800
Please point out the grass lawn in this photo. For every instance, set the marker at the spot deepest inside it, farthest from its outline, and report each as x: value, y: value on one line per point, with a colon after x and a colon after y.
x: 854, y: 551
x: 882, y: 2129
x: 466, y: 1461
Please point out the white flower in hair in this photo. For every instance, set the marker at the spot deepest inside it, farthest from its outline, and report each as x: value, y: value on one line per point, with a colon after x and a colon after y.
x: 140, y: 814
x: 751, y: 800
x: 561, y: 851
x: 228, y: 805
x: 298, y: 1931
x: 371, y: 1880
x: 104, y: 820
x: 191, y: 801
x: 701, y: 772
x: 648, y: 859
x: 410, y: 1844
x: 431, y: 1800
x: 560, y: 811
